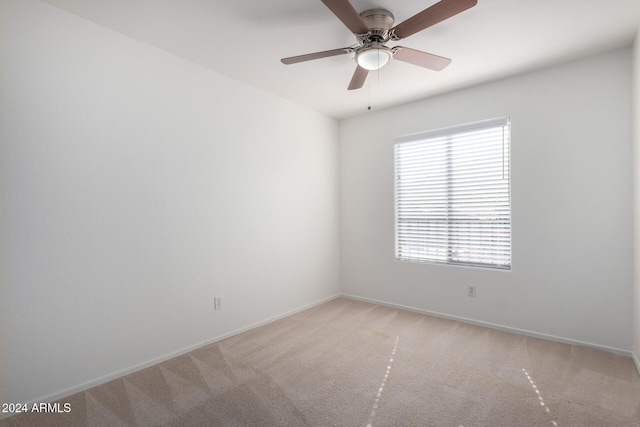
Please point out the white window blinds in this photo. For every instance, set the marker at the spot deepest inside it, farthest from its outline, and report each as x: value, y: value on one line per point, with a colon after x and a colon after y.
x: 453, y: 195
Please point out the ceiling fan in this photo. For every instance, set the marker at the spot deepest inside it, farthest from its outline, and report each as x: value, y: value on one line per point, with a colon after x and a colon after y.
x: 373, y: 29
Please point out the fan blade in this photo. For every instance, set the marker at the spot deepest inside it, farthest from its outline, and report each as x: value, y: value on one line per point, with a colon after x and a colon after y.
x: 348, y: 15
x: 316, y: 55
x: 359, y: 76
x: 437, y: 13
x: 420, y: 58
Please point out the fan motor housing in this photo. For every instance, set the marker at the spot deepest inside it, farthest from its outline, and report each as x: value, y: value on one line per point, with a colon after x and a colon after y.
x: 379, y: 22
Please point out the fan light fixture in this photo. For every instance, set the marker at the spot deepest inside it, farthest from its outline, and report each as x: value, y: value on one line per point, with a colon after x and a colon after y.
x: 373, y: 28
x: 373, y: 58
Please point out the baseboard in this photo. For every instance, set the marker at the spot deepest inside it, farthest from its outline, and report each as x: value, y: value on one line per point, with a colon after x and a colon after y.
x: 120, y: 373
x: 634, y: 356
x: 496, y: 326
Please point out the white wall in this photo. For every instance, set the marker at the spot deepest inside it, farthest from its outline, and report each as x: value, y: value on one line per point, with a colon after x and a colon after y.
x: 135, y: 187
x: 636, y: 211
x: 571, y: 205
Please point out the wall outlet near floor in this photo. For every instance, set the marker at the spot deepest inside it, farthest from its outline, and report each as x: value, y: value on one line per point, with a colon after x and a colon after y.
x: 217, y: 303
x: 471, y: 290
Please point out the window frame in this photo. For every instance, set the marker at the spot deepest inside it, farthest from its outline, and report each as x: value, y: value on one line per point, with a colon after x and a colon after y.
x: 450, y: 246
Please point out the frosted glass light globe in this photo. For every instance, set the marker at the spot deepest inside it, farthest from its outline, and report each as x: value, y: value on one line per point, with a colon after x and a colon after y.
x: 373, y: 58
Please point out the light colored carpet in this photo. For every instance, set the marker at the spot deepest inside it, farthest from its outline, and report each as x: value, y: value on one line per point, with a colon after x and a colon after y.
x: 349, y: 363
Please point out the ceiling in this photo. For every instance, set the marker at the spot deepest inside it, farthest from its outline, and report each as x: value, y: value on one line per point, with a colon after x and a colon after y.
x: 245, y: 39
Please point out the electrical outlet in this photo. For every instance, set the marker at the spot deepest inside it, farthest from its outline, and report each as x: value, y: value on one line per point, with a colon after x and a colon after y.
x: 471, y: 290
x: 217, y: 303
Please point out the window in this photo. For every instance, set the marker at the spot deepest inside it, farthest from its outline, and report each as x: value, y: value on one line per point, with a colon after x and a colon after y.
x: 452, y: 193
